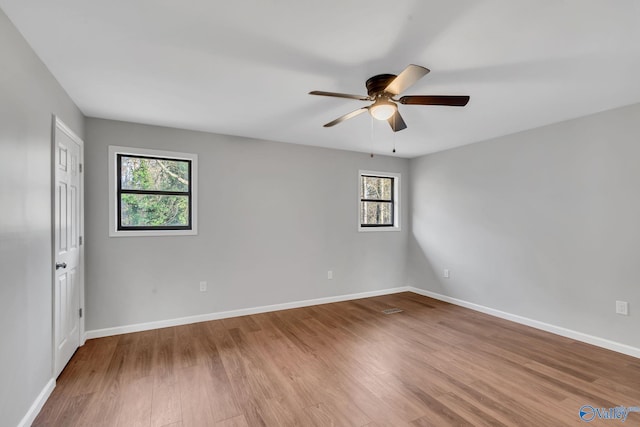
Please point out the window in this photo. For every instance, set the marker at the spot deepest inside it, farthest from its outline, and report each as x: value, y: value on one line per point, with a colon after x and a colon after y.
x: 379, y: 201
x: 152, y: 192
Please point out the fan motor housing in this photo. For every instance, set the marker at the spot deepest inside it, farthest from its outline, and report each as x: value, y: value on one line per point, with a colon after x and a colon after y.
x: 377, y: 84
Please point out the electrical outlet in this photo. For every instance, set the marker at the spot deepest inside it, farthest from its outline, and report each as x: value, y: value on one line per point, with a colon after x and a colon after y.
x: 446, y: 273
x: 203, y: 286
x: 622, y: 307
x: 330, y: 274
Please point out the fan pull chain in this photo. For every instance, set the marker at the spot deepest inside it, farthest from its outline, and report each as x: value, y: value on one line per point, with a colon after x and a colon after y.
x: 394, y: 133
x: 372, y: 137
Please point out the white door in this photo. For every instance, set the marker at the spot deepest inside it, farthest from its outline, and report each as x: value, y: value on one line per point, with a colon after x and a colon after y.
x: 68, y: 259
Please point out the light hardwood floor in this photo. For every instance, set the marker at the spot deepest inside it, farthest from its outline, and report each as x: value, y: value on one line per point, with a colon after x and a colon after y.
x: 344, y: 364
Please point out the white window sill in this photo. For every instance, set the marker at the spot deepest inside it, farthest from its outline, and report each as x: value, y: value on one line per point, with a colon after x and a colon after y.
x: 374, y: 229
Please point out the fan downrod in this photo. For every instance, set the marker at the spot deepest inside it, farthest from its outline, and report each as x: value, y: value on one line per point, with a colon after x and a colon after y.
x: 377, y: 84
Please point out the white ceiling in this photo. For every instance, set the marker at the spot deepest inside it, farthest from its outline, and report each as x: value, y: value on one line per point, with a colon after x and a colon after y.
x: 244, y: 67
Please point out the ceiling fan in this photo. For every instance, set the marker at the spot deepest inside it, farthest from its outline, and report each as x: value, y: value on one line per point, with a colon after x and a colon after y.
x: 382, y: 90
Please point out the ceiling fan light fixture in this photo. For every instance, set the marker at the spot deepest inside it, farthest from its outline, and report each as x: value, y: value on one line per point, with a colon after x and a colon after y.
x: 382, y: 90
x: 383, y: 109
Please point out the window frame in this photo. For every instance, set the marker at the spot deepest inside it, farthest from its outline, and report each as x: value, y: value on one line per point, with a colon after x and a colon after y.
x: 115, y: 190
x: 395, y: 201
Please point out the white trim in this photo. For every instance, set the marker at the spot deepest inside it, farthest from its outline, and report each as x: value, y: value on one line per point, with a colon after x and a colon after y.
x: 558, y: 330
x: 113, y: 207
x: 67, y: 130
x: 99, y: 333
x: 37, y: 404
x: 578, y: 336
x: 396, y: 202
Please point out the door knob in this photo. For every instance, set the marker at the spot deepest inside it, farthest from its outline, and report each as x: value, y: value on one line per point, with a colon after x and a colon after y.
x: 61, y: 265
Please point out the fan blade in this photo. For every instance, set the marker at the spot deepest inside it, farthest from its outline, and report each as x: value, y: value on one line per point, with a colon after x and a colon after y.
x: 406, y: 78
x: 396, y: 122
x: 453, y: 101
x: 346, y: 117
x: 340, y: 95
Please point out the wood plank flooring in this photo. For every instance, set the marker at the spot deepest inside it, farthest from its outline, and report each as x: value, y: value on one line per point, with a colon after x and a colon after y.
x: 342, y: 364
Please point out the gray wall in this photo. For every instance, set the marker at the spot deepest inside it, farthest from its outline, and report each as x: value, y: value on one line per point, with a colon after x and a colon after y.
x: 543, y: 224
x: 29, y: 95
x: 273, y: 218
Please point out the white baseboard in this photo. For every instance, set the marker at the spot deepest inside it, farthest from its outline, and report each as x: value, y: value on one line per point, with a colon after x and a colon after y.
x: 37, y: 405
x: 558, y: 330
x: 98, y: 333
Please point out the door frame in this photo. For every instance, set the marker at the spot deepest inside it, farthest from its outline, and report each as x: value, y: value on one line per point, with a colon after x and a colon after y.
x: 58, y: 124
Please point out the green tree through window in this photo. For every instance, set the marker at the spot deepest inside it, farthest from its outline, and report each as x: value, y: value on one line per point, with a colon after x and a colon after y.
x: 153, y: 193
